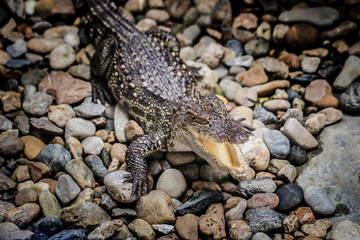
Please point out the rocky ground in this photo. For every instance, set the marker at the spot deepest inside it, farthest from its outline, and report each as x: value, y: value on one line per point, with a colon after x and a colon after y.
x: 290, y: 68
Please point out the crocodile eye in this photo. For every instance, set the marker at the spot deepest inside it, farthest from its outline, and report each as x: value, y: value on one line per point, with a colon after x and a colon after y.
x: 201, y: 120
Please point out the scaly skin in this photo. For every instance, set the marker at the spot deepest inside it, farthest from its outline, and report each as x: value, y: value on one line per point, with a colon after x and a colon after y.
x: 144, y: 73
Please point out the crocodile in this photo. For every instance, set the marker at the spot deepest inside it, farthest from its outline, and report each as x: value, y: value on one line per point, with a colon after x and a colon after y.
x: 144, y: 73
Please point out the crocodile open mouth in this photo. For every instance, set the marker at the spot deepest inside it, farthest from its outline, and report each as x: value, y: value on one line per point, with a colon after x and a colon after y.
x: 223, y: 155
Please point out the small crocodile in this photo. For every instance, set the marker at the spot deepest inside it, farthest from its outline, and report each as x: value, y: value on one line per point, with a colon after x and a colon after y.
x: 145, y: 74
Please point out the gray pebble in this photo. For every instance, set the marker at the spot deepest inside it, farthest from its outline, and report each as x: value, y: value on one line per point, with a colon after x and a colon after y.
x: 45, y: 126
x: 310, y: 64
x: 10, y: 231
x: 37, y: 104
x: 250, y: 187
x: 97, y: 167
x: 265, y: 116
x: 257, y: 47
x: 263, y: 219
x: 66, y: 189
x: 22, y: 123
x: 118, y: 188
x: 260, y: 236
x: 242, y: 61
x: 277, y: 143
x: 319, y: 201
x: 5, y: 124
x: 55, y: 157
x: 79, y: 128
x: 192, y: 31
x: 89, y: 110
x: 17, y: 49
x: 33, y: 77
x: 229, y: 88
x: 92, y: 145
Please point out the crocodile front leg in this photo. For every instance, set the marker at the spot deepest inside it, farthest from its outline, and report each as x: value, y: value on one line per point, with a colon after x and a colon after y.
x: 99, y: 63
x: 135, y: 162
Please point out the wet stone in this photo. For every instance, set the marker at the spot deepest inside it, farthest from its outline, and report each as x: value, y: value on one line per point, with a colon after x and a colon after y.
x: 66, y: 189
x: 55, y: 157
x: 310, y: 64
x: 17, y: 49
x: 199, y: 202
x: 18, y: 63
x: 250, y: 187
x: 37, y: 104
x: 290, y: 196
x: 263, y: 219
x: 319, y: 200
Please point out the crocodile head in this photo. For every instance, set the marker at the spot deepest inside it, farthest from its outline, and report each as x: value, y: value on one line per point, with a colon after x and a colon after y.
x: 207, y: 128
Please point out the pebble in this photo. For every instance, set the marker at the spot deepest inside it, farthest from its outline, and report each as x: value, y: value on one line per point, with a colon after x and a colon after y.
x: 23, y: 215
x: 254, y: 76
x: 264, y: 31
x: 298, y: 135
x: 193, y: 32
x: 92, y: 145
x: 65, y: 88
x: 79, y: 128
x: 274, y: 68
x: 47, y: 227
x: 97, y: 167
x: 236, y: 212
x: 62, y: 56
x: 305, y: 215
x: 319, y: 93
x: 37, y: 104
x: 317, y: 229
x: 203, y: 186
x: 315, y: 123
x: 156, y: 208
x: 256, y: 152
x: 278, y: 144
x: 212, y: 223
x: 292, y: 60
x: 342, y: 30
x: 5, y: 206
x: 188, y: 53
x: 69, y: 234
x: 236, y: 46
x: 27, y: 195
x: 107, y: 203
x: 287, y: 173
x: 263, y: 219
x: 23, y: 185
x: 80, y: 173
x: 33, y: 58
x: 250, y: 187
x: 257, y: 47
x: 276, y: 164
x: 348, y: 74
x: 292, y: 113
x: 349, y: 100
x: 169, y: 179
x: 319, y: 201
x: 290, y: 195
x: 239, y: 230
x: 241, y: 61
x: 87, y: 109
x: 187, y: 226
x: 142, y: 229
x: 199, y: 202
x: 118, y: 151
x: 33, y: 77
x: 10, y: 145
x: 315, y: 15
x: 66, y: 189
x: 38, y: 170
x: 296, y: 39
x: 345, y: 229
x: 43, y: 45
x: 264, y: 116
x: 17, y: 49
x: 5, y: 124
x: 190, y: 171
x: 10, y: 100
x: 297, y: 156
x: 133, y: 130
x: 45, y: 126
x: 118, y: 188
x: 354, y: 49
x: 80, y: 71
x: 245, y: 20
x: 55, y: 157
x: 179, y: 158
x: 50, y: 207
x: 4, y: 57
x: 60, y: 114
x: 245, y: 97
x: 85, y: 215
x: 121, y: 117
x: 269, y: 200
x: 279, y: 33
x: 213, y: 54
x: 277, y: 105
x: 310, y: 64
x: 332, y: 115
x: 105, y: 230
x: 270, y: 87
x: 11, y: 231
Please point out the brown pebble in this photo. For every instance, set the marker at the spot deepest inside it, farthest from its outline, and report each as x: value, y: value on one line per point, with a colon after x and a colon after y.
x: 27, y: 195
x: 133, y: 130
x: 270, y: 200
x: 187, y: 226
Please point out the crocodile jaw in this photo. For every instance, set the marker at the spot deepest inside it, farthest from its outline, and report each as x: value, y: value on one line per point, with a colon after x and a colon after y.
x: 223, y: 155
